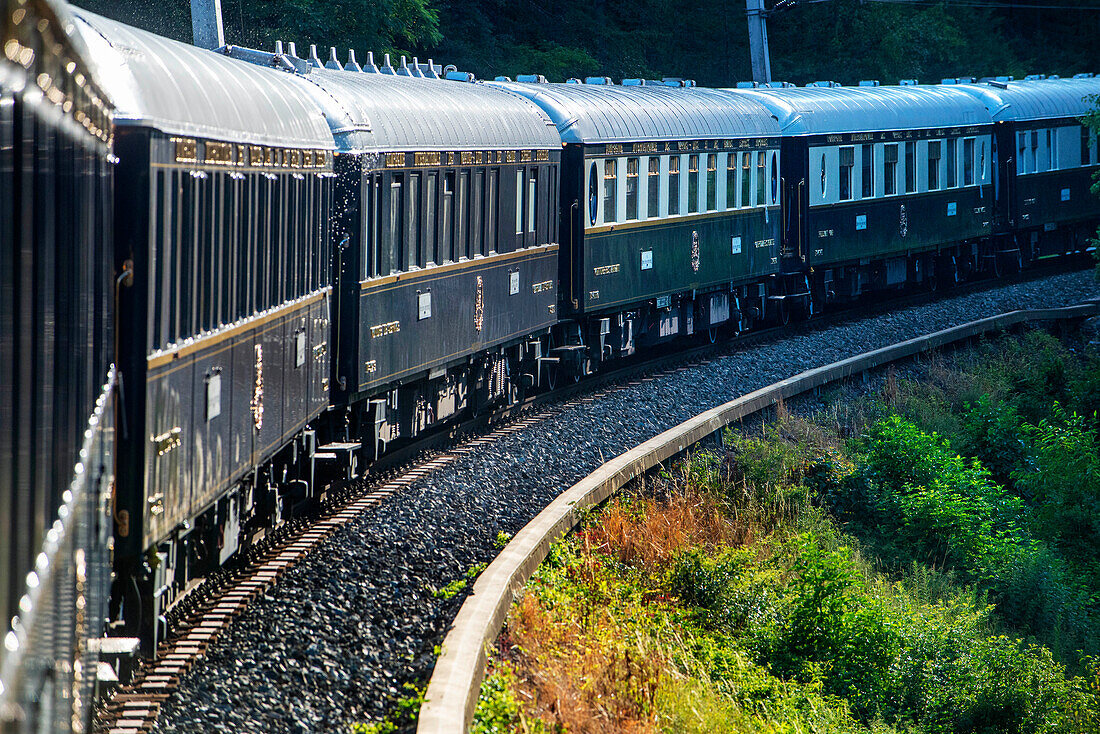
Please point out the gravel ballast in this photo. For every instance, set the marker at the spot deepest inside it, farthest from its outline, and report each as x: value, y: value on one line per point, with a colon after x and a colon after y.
x: 335, y: 640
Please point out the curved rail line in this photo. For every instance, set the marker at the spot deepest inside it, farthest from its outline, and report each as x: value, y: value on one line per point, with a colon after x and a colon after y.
x: 453, y: 690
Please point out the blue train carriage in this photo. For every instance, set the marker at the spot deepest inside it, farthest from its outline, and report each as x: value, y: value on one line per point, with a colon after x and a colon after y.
x: 223, y: 190
x: 884, y: 186
x: 669, y: 212
x: 448, y: 249
x: 55, y: 351
x: 1047, y: 160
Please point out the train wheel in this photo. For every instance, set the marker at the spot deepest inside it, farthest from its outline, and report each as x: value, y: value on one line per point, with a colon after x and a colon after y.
x: 783, y: 312
x: 712, y: 334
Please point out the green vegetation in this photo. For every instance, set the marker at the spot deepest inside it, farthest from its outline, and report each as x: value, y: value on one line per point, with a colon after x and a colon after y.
x: 402, y: 716
x: 921, y: 559
x: 842, y: 40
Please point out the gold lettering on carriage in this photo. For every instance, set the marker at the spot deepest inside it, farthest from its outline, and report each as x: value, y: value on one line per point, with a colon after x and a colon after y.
x: 606, y: 269
x: 379, y: 330
x: 543, y: 286
x: 770, y: 242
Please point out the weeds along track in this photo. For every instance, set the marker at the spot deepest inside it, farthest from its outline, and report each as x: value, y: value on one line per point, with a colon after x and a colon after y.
x: 336, y: 633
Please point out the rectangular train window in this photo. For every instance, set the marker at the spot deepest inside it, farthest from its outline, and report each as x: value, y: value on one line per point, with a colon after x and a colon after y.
x: 412, y: 236
x: 447, y: 230
x: 952, y: 163
x: 532, y: 199
x: 1021, y: 156
x: 653, y: 189
x: 910, y: 167
x: 631, y: 188
x: 712, y: 182
x: 1085, y: 146
x: 430, y: 252
x: 933, y: 164
x: 519, y: 201
x: 394, y: 228
x: 491, y: 211
x: 890, y: 169
x: 462, y: 212
x: 693, y: 184
x: 673, y: 185
x: 731, y: 180
x: 477, y: 244
x: 761, y: 178
x: 847, y: 163
x: 1033, y: 152
x: 746, y: 179
x: 867, y: 171
x: 610, y: 192
x: 968, y: 161
x: 1052, y: 145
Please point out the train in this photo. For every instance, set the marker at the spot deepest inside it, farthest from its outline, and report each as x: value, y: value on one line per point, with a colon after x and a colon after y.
x: 257, y: 273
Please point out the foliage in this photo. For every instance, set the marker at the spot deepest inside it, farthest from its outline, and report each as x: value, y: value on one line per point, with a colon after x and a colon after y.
x: 450, y: 590
x: 404, y: 714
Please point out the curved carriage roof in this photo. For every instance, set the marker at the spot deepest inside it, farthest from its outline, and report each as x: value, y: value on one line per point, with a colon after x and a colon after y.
x: 384, y: 112
x: 184, y: 90
x: 822, y: 110
x: 596, y: 113
x: 1036, y: 100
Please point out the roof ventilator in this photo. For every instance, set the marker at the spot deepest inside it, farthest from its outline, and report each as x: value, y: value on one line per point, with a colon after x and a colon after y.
x: 503, y: 79
x: 1083, y: 75
x: 403, y: 69
x: 387, y: 67
x: 292, y: 51
x: 633, y: 82
x: 908, y: 82
x: 605, y: 80
x: 314, y: 61
x: 1035, y: 77
x: 573, y: 80
x: 370, y: 67
x: 415, y: 69
x: 829, y: 85
x: 460, y: 76
x: 531, y: 78
x: 431, y: 70
x: 868, y: 83
x: 352, y: 64
x: 333, y: 63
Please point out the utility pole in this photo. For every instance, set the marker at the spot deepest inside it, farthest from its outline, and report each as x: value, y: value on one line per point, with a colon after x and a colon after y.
x: 758, y: 42
x: 206, y: 23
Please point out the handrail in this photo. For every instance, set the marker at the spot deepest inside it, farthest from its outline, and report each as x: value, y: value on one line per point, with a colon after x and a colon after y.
x: 453, y: 690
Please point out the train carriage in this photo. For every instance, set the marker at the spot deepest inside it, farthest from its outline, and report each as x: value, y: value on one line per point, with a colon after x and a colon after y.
x: 1042, y: 188
x: 669, y: 209
x: 882, y: 185
x: 448, y: 247
x: 223, y: 197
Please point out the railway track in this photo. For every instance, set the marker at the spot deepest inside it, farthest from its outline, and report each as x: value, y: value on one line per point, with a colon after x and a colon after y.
x: 208, y: 610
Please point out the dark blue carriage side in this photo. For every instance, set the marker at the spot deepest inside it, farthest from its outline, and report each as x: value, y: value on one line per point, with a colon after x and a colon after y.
x: 1045, y: 164
x: 637, y: 261
x: 882, y: 184
x: 448, y: 255
x: 224, y: 185
x: 55, y: 353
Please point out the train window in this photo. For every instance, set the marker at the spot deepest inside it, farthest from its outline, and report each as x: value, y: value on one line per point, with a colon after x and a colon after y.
x: 775, y: 178
x: 394, y: 230
x: 1021, y: 158
x: 968, y: 161
x: 761, y: 168
x: 1052, y: 145
x: 610, y: 191
x: 731, y: 180
x: 981, y: 160
x: 448, y: 254
x: 824, y: 180
x: 593, y: 194
x: 491, y: 211
x: 847, y: 163
x: 412, y: 219
x: 532, y: 199
x: 478, y: 243
x: 519, y: 201
x: 910, y: 167
x: 673, y: 185
x: 693, y: 184
x: 952, y: 163
x: 462, y: 209
x: 933, y: 165
x: 746, y: 179
x: 867, y: 171
x: 631, y: 188
x: 653, y: 185
x: 1085, y: 145
x: 890, y: 169
x: 1033, y: 152
x: 430, y: 254
x: 712, y: 182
